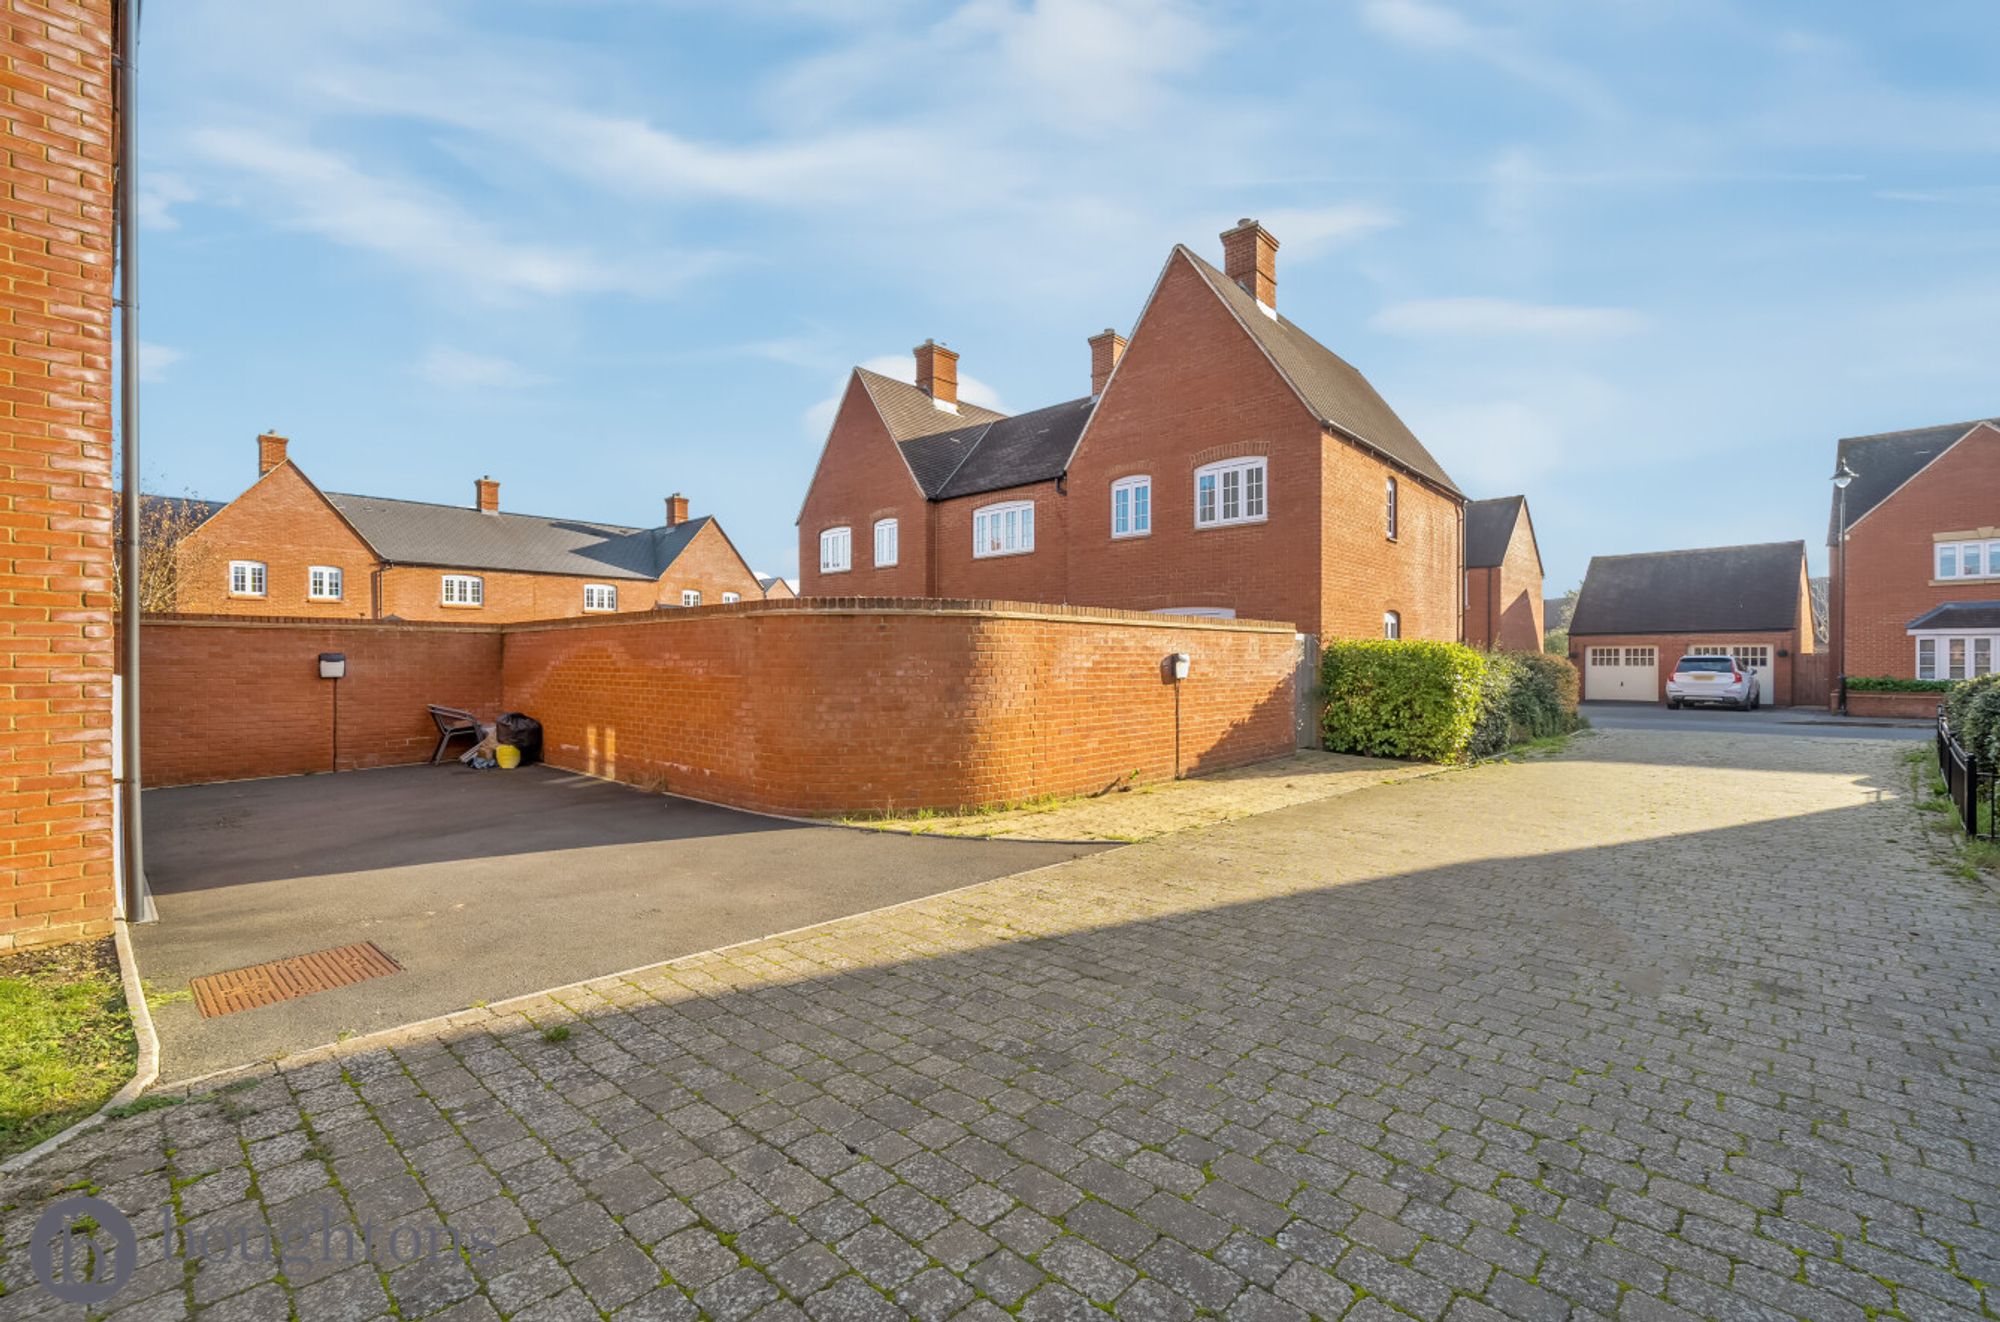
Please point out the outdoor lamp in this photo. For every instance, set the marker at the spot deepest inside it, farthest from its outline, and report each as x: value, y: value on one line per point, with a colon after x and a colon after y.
x: 1842, y: 475
x: 333, y: 665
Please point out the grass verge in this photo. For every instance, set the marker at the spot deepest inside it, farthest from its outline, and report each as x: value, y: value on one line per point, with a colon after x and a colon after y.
x: 66, y: 1042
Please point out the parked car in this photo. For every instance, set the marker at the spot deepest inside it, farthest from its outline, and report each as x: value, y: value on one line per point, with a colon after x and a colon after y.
x: 1717, y: 679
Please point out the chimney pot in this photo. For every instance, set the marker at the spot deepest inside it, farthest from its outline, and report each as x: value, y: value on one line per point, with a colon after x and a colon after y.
x: 677, y: 510
x: 1250, y: 258
x: 937, y: 374
x: 1106, y: 348
x: 270, y: 451
x: 488, y: 492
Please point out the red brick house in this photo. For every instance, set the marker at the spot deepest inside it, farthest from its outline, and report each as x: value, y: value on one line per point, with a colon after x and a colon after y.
x: 1915, y: 592
x: 1503, y: 576
x: 1639, y: 614
x: 284, y: 547
x: 1224, y: 463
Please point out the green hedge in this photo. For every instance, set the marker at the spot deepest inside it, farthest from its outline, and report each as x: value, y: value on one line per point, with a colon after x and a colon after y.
x: 1890, y: 684
x: 1441, y: 702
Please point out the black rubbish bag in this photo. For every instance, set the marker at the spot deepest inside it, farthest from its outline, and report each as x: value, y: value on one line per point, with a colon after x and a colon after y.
x: 522, y: 732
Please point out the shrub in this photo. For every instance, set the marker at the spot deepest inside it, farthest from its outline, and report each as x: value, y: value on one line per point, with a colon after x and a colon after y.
x: 1891, y: 684
x: 1542, y: 701
x: 1980, y: 732
x: 1958, y: 694
x: 1401, y: 699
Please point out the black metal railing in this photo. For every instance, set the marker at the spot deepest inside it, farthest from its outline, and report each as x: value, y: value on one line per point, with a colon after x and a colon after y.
x: 1970, y: 785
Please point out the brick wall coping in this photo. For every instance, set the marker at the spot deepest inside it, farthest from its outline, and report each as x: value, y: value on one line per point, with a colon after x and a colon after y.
x: 942, y: 607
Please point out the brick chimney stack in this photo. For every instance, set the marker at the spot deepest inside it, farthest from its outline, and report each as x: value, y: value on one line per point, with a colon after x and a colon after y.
x: 937, y: 373
x: 1250, y: 258
x: 1106, y: 348
x: 677, y: 510
x: 489, y: 495
x: 270, y: 451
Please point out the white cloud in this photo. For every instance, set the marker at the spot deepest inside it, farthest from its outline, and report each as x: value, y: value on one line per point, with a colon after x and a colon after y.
x: 323, y: 193
x: 457, y: 369
x: 1504, y: 317
x: 156, y: 359
x: 1306, y: 233
x: 159, y: 193
x: 1438, y: 30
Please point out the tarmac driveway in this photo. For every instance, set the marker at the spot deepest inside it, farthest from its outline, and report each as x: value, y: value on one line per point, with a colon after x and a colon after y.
x: 484, y: 885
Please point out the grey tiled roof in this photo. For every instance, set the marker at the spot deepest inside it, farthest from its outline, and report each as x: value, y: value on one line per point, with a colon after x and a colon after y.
x: 1330, y: 385
x: 1721, y: 589
x: 1960, y: 615
x: 1885, y: 461
x: 1489, y: 526
x: 908, y: 412
x: 414, y: 532
x: 1007, y: 452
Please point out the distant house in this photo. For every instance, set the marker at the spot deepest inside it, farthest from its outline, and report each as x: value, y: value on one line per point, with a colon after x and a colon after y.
x: 1503, y: 576
x: 1915, y: 594
x: 775, y: 588
x: 1224, y: 463
x: 1639, y: 614
x: 285, y: 547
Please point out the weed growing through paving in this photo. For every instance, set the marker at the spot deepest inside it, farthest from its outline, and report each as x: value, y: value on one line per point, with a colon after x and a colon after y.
x: 66, y: 1042
x: 556, y: 1033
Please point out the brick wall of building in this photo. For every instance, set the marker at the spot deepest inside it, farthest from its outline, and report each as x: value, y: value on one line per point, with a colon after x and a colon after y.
x: 1364, y: 574
x: 861, y: 479
x: 800, y: 707
x: 1038, y: 575
x: 1503, y: 603
x: 279, y: 719
x: 1672, y: 647
x: 1891, y: 561
x: 55, y: 472
x: 283, y: 522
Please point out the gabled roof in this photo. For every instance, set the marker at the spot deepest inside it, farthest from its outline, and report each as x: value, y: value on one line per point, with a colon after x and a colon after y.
x: 1006, y: 452
x: 1721, y: 589
x: 908, y: 412
x: 1489, y: 527
x: 1959, y: 615
x: 415, y: 532
x: 1328, y: 383
x: 1882, y: 463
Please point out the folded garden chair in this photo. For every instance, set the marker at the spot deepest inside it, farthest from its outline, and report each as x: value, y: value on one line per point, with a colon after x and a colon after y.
x: 451, y: 722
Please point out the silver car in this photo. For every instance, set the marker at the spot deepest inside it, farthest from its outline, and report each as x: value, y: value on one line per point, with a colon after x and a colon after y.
x: 1717, y: 679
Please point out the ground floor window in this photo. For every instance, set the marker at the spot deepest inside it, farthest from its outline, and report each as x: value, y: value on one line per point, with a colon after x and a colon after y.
x: 690, y: 597
x: 1955, y: 656
x: 1007, y: 529
x: 323, y: 583
x: 464, y: 590
x: 1392, y: 624
x: 600, y: 597
x: 1746, y: 655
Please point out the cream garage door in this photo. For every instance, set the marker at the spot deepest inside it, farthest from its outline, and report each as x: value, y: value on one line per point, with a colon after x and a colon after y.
x: 1621, y: 674
x: 1751, y: 656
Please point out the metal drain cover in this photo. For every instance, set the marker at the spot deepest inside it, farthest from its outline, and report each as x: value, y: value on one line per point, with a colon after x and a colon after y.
x: 287, y: 979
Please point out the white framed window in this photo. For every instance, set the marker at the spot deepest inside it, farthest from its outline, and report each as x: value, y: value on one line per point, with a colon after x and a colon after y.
x: 1390, y: 513
x: 836, y: 550
x: 323, y: 583
x: 1748, y: 655
x: 1955, y: 656
x: 1005, y: 529
x: 1229, y: 492
x: 1604, y: 656
x: 729, y: 597
x: 886, y: 547
x: 1392, y: 624
x: 690, y: 597
x: 464, y: 590
x: 1967, y: 560
x: 600, y: 597
x: 246, y: 578
x: 1132, y: 507
x: 1927, y: 658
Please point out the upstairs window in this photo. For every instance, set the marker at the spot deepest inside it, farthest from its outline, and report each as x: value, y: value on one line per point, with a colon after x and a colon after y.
x: 690, y: 597
x: 1007, y: 529
x: 464, y: 590
x: 1229, y: 492
x: 323, y: 583
x: 600, y: 597
x: 1132, y: 507
x: 246, y: 578
x: 836, y: 550
x: 1968, y: 560
x: 885, y: 543
x: 1392, y: 624
x: 1390, y: 520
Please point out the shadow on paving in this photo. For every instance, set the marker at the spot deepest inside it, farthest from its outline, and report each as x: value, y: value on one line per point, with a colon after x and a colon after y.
x: 1747, y: 1069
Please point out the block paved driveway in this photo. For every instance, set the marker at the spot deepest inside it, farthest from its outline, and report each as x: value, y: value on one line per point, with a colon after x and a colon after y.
x: 1657, y: 1029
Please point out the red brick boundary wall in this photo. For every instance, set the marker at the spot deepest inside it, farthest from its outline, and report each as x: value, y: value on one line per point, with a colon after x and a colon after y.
x: 811, y: 706
x: 1914, y: 706
x: 55, y: 472
x: 230, y: 698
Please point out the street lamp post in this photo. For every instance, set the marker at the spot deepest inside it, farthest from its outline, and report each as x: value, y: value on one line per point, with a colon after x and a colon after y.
x: 1842, y: 475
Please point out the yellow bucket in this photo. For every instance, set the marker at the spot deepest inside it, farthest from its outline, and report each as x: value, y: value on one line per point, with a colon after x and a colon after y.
x: 507, y: 756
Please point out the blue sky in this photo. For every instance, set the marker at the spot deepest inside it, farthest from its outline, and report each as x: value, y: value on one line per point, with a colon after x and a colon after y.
x: 1641, y: 259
